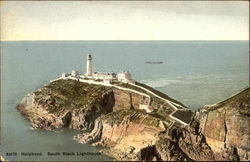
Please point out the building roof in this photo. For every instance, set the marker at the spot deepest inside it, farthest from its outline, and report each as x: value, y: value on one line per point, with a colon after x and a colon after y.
x: 105, y: 73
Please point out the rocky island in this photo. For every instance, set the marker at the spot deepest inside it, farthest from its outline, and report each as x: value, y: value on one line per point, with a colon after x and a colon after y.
x: 136, y: 122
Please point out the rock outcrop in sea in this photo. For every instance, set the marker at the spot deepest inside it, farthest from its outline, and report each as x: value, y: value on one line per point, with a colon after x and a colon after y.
x: 111, y: 117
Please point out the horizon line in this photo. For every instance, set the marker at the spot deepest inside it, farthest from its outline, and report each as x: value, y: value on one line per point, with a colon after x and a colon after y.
x: 125, y: 40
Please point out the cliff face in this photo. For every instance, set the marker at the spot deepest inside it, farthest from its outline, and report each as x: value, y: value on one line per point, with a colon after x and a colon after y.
x: 127, y: 100
x: 226, y: 127
x: 217, y: 132
x: 125, y: 132
x: 66, y: 104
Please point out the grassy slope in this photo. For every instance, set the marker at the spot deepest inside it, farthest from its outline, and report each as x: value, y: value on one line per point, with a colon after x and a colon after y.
x: 69, y: 94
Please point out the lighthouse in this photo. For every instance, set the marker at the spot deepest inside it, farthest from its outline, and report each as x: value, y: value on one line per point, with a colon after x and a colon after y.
x: 89, y: 65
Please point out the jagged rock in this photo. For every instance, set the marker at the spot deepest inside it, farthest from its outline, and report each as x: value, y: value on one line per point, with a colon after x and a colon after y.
x: 149, y: 154
x: 92, y: 137
x: 193, y: 144
x: 218, y: 132
x: 125, y: 132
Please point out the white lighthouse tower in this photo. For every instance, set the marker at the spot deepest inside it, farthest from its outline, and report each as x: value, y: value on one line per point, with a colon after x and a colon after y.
x: 89, y: 65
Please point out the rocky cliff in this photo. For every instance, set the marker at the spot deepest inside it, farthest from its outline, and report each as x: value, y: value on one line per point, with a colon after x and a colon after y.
x: 219, y: 132
x: 226, y: 127
x: 111, y: 118
x: 125, y: 132
x: 66, y: 103
x: 69, y: 103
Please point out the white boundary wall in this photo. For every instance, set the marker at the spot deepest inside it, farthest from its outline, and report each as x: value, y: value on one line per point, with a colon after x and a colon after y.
x: 169, y: 102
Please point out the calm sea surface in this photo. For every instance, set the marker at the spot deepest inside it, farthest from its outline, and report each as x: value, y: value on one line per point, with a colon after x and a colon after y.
x: 194, y: 72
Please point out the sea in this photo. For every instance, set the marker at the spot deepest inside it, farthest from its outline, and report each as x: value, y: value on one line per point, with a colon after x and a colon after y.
x: 196, y: 73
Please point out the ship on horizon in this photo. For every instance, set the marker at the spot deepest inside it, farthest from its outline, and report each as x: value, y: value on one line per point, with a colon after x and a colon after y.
x: 154, y: 62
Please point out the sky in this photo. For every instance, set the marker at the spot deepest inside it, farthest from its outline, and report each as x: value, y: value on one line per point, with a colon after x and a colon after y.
x: 113, y: 20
